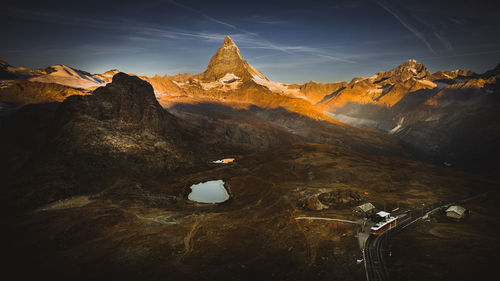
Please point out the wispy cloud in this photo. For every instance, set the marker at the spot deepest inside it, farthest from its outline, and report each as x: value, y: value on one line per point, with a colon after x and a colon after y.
x: 254, y: 43
x: 458, y: 21
x: 135, y: 29
x: 272, y: 22
x: 201, y: 13
x: 290, y: 64
x: 405, y: 22
x: 444, y: 41
x: 433, y: 25
x: 139, y: 31
x: 267, y: 20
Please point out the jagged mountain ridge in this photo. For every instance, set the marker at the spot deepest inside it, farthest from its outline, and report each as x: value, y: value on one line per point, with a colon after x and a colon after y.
x: 434, y: 114
x: 226, y: 71
x: 288, y: 118
x: 60, y: 74
x: 410, y: 69
x: 383, y: 88
x: 393, y: 101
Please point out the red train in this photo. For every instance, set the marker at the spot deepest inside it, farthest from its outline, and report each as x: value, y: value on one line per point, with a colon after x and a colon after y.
x: 383, y: 222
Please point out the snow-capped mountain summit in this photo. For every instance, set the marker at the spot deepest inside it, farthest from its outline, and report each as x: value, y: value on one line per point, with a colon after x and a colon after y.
x: 228, y: 60
x: 68, y: 76
x: 59, y: 74
x: 405, y: 71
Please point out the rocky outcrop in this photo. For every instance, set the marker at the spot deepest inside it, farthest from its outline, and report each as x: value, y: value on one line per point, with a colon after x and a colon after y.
x: 313, y: 203
x: 120, y: 123
x: 5, y: 74
x: 119, y: 132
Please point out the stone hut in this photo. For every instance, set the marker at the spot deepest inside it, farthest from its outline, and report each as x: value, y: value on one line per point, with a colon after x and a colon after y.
x: 364, y: 210
x: 457, y: 212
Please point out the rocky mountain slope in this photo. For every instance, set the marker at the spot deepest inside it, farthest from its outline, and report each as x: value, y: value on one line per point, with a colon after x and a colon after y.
x: 22, y: 92
x: 433, y: 113
x: 384, y: 89
x: 229, y: 78
x: 235, y: 100
x: 120, y: 131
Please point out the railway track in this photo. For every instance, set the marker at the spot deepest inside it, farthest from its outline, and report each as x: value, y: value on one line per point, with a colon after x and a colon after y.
x: 376, y: 246
x: 374, y: 257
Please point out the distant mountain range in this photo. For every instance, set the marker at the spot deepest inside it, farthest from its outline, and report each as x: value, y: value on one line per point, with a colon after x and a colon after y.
x: 448, y: 117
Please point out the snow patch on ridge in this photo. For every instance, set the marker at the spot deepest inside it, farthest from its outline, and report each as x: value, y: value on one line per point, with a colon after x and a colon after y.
x: 229, y: 77
x: 68, y: 76
x: 228, y: 82
x: 427, y: 83
x: 277, y: 87
x: 375, y: 91
x: 398, y: 126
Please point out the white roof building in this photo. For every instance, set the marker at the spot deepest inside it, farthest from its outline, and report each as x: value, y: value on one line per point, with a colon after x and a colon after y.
x: 383, y: 214
x: 366, y: 207
x: 456, y: 211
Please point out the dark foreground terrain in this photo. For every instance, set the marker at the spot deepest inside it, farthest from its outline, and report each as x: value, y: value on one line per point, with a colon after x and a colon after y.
x: 135, y: 231
x: 440, y: 248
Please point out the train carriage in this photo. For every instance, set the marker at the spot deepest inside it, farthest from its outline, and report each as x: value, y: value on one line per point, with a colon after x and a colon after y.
x: 383, y: 222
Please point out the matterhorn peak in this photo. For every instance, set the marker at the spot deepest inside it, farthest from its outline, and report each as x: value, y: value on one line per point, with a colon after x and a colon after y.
x: 228, y: 41
x: 228, y: 60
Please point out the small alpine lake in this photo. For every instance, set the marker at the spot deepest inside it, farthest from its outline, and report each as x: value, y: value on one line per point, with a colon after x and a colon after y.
x: 209, y: 192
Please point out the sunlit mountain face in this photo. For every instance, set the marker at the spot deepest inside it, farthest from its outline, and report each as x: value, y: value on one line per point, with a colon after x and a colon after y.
x: 218, y: 140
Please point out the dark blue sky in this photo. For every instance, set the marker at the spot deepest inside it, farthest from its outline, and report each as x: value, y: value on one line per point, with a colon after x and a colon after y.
x: 289, y: 41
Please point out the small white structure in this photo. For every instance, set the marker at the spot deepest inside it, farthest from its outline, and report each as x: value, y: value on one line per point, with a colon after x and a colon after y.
x: 456, y: 212
x: 223, y: 161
